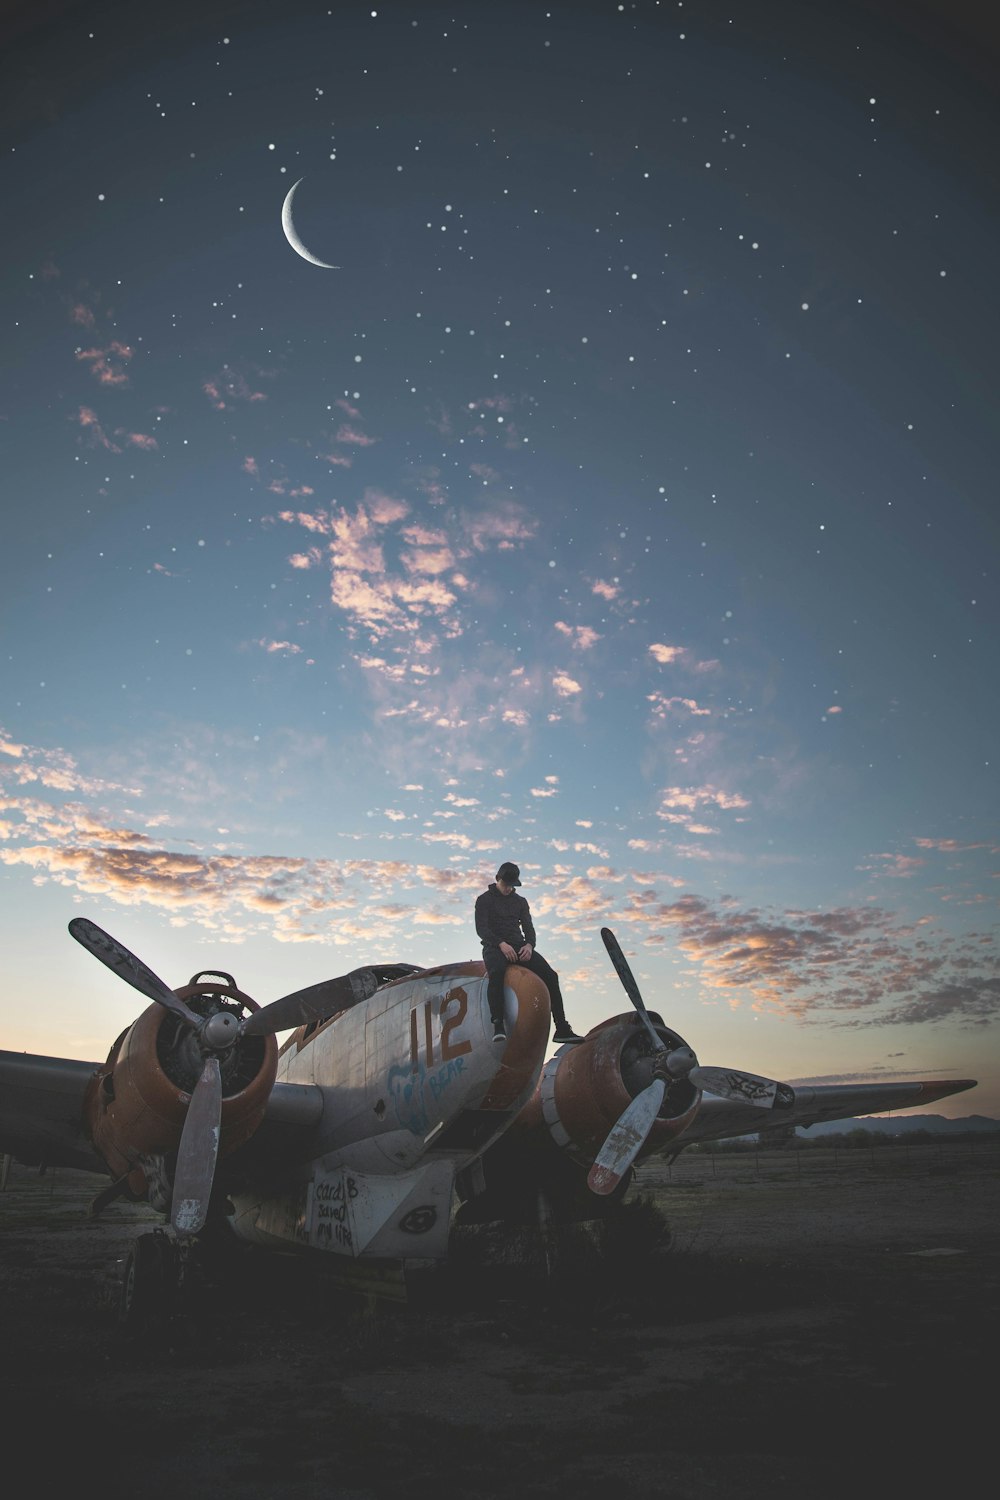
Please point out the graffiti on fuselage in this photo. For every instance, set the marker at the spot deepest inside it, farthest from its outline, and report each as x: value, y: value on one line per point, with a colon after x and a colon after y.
x: 331, y: 1209
x: 436, y: 1061
x: 416, y: 1095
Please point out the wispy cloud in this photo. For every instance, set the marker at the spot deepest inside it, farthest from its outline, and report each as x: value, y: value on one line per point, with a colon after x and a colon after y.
x: 859, y: 964
x: 107, y: 365
x: 88, y: 420
x: 581, y: 637
x: 663, y: 706
x: 228, y: 387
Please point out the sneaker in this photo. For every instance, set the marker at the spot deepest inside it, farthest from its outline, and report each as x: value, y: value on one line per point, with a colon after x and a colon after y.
x: 499, y: 1033
x: 565, y: 1033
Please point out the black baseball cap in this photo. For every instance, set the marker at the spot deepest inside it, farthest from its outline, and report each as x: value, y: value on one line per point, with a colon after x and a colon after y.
x: 510, y: 873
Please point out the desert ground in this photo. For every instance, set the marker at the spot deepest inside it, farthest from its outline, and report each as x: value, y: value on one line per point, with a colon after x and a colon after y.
x: 815, y: 1322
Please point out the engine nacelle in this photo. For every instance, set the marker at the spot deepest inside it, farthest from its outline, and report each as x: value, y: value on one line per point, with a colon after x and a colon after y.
x: 552, y: 1143
x: 584, y: 1089
x: 136, y: 1105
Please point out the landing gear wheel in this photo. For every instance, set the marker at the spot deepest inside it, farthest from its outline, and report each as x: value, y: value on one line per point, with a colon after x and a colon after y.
x: 150, y: 1282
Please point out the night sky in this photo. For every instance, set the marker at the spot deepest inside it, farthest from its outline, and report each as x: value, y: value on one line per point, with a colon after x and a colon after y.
x: 623, y: 504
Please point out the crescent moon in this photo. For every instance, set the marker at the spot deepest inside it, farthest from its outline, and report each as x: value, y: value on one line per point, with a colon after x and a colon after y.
x: 292, y: 234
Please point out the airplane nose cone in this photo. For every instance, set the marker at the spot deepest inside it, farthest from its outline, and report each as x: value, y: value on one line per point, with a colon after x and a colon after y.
x: 220, y: 1031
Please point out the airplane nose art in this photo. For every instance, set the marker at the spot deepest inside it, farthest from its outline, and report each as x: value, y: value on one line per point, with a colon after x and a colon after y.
x: 528, y: 1022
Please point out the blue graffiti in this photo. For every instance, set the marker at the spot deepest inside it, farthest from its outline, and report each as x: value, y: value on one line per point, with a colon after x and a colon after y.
x: 407, y: 1091
x: 439, y: 1081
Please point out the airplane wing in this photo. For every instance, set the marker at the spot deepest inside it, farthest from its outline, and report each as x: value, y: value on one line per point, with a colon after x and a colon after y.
x: 41, y: 1116
x: 286, y: 1135
x: 41, y: 1111
x: 718, y: 1118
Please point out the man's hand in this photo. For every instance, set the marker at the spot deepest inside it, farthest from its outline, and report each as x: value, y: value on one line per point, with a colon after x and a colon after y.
x: 508, y: 953
x: 525, y: 953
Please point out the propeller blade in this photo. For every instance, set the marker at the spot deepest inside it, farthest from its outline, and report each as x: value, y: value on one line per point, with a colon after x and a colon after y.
x: 312, y: 1004
x: 125, y: 964
x: 198, y: 1152
x: 631, y: 988
x: 733, y: 1083
x: 626, y: 1139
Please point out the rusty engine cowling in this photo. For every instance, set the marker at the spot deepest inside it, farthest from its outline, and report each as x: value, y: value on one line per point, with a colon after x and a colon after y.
x: 553, y: 1141
x: 136, y: 1105
x: 584, y: 1089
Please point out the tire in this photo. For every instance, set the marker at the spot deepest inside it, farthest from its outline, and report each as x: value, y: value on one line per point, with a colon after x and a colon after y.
x: 149, y: 1283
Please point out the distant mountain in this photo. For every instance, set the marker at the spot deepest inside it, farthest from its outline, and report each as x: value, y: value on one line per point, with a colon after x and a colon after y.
x: 903, y: 1125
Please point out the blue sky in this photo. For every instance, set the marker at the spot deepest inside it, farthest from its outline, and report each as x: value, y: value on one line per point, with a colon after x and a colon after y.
x: 623, y: 504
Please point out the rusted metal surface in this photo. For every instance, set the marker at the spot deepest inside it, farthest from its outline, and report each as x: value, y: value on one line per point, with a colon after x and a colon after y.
x: 134, y: 1109
x: 527, y: 1038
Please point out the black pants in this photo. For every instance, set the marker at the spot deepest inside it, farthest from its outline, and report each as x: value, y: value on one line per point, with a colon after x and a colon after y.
x: 496, y: 968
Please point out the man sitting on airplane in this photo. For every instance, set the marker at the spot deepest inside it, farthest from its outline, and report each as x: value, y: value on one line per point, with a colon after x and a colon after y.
x: 503, y: 922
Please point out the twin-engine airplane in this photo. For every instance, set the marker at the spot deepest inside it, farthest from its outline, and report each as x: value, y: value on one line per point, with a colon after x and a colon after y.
x: 389, y: 1113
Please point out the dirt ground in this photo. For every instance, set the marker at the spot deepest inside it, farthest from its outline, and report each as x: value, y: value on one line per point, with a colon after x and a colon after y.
x: 819, y: 1321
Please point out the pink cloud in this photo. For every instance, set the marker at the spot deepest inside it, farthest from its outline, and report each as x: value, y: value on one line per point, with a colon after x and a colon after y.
x: 88, y: 420
x: 895, y: 866
x: 222, y: 390
x: 581, y: 637
x: 319, y: 521
x: 286, y: 648
x: 104, y: 363
x: 503, y: 527
x: 348, y: 434
x: 690, y: 798
x: 662, y: 705
x: 664, y: 654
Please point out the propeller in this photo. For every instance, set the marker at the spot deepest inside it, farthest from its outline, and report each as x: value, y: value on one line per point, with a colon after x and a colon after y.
x: 628, y: 1135
x: 198, y: 1151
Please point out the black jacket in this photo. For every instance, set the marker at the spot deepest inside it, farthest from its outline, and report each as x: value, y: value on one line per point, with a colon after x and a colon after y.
x: 503, y: 919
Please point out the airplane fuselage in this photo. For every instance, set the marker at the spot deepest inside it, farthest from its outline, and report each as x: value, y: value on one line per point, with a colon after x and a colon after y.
x: 413, y: 1088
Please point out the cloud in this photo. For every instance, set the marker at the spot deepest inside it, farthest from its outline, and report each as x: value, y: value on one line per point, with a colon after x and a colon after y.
x: 662, y: 706
x: 228, y: 387
x: 503, y: 527
x: 581, y: 637
x: 106, y: 364
x: 358, y: 439
x: 52, y: 768
x: 285, y: 648
x: 855, y: 963
x: 692, y: 797
x: 565, y: 686
x: 662, y: 653
x: 894, y: 866
x: 954, y: 846
x: 88, y: 420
